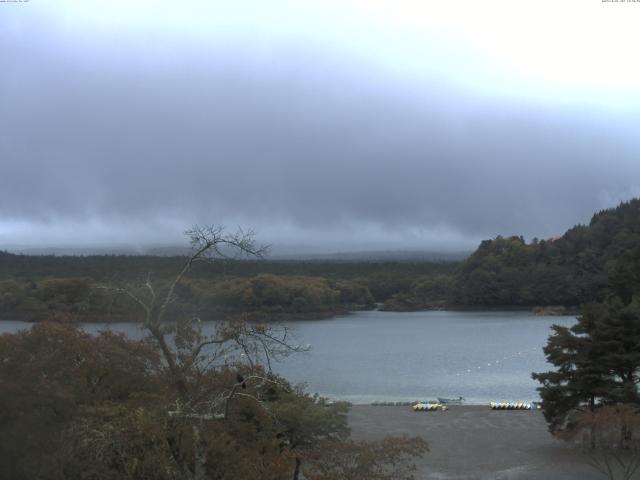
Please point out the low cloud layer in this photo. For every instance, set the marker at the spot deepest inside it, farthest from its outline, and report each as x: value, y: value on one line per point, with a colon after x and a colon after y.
x: 134, y: 137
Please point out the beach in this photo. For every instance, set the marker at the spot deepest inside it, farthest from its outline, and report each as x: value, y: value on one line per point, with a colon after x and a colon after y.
x: 475, y: 442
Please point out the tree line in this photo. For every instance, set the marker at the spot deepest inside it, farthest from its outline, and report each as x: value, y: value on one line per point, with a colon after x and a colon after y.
x: 581, y: 266
x: 31, y: 287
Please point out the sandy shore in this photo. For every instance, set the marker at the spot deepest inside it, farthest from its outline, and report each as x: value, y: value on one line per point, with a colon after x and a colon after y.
x: 475, y: 442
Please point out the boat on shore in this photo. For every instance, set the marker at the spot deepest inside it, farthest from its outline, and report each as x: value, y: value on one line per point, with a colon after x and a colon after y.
x: 451, y: 401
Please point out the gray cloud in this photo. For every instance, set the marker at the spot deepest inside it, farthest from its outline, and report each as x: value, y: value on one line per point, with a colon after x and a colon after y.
x: 144, y: 135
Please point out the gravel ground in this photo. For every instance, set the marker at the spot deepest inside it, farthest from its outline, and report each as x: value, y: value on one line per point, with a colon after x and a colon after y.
x: 475, y: 442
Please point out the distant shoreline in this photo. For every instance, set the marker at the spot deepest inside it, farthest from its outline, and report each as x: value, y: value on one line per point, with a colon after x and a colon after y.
x: 285, y: 317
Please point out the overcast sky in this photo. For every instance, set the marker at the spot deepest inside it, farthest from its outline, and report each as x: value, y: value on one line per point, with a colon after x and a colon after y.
x: 332, y: 125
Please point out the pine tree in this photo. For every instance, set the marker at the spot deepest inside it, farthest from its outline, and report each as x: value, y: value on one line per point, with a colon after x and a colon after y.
x: 597, y: 362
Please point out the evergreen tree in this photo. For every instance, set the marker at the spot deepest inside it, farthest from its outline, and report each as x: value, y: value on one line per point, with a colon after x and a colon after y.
x: 597, y: 362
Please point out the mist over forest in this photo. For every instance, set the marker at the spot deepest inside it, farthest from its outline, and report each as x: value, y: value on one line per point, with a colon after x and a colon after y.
x: 328, y: 130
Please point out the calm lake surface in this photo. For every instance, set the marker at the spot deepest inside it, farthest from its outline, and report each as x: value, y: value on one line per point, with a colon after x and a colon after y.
x: 397, y: 356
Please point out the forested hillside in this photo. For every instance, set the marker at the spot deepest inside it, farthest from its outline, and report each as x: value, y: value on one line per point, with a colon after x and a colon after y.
x: 570, y: 270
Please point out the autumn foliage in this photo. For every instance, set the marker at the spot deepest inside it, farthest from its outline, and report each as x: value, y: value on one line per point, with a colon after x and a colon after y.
x: 75, y: 405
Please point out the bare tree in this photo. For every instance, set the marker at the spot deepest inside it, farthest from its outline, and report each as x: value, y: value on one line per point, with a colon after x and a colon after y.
x: 609, y: 437
x: 191, y: 355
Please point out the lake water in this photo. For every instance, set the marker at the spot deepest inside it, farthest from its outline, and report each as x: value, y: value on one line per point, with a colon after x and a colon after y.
x: 390, y: 356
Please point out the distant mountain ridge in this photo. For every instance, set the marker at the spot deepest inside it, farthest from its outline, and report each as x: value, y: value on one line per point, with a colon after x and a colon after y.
x: 280, y: 254
x: 131, y: 250
x: 379, y: 255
